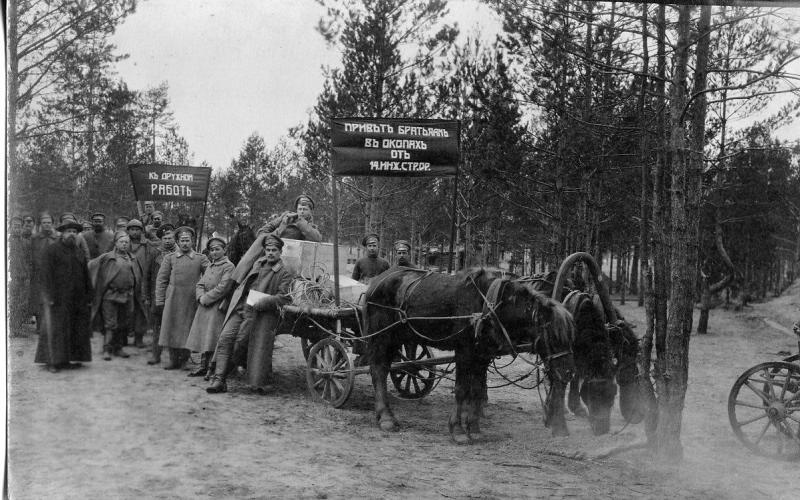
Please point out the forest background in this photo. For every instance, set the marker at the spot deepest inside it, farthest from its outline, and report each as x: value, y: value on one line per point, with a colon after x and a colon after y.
x: 632, y: 130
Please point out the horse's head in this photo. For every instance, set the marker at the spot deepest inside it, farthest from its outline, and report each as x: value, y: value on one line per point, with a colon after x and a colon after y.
x: 594, y: 359
x: 542, y: 322
x: 625, y: 346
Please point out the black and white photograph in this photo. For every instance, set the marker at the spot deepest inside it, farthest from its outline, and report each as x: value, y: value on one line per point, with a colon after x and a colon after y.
x: 412, y: 249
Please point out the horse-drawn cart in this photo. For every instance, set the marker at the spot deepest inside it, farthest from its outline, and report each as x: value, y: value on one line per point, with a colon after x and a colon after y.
x: 764, y: 408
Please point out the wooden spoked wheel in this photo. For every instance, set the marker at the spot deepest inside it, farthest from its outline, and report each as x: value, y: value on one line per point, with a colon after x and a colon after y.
x: 764, y: 409
x: 329, y: 372
x: 305, y: 345
x: 414, y: 381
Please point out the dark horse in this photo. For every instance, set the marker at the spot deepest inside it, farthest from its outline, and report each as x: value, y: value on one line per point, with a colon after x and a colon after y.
x: 479, y: 316
x: 605, y: 358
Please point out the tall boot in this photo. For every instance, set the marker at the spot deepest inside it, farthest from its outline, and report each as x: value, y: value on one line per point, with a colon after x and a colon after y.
x: 156, y: 358
x: 218, y: 383
x: 107, y: 349
x: 174, y: 359
x: 138, y: 340
x: 201, y: 370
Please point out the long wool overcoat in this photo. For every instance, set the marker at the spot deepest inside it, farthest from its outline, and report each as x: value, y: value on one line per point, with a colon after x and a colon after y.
x: 66, y: 292
x: 260, y: 326
x: 210, y: 292
x: 175, y: 289
x: 102, y: 271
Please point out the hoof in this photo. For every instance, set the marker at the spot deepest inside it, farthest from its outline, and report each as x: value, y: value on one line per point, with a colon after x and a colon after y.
x: 389, y: 425
x: 460, y: 439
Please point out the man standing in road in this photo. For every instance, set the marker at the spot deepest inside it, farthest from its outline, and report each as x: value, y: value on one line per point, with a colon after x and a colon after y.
x: 253, y: 327
x: 66, y: 294
x: 167, y: 237
x: 370, y: 266
x: 99, y: 239
x: 39, y: 243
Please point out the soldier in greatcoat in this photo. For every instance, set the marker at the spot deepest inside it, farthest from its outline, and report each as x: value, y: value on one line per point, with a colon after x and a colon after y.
x: 166, y: 235
x: 46, y: 236
x: 116, y: 276
x: 254, y: 326
x: 175, y: 293
x: 211, y: 291
x: 19, y: 271
x: 66, y: 295
x: 144, y: 251
x: 100, y: 240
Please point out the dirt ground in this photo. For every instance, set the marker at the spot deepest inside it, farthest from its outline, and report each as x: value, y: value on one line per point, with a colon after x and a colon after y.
x: 122, y: 429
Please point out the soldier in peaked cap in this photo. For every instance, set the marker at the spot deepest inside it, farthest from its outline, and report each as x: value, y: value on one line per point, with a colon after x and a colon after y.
x: 144, y: 251
x: 371, y: 265
x: 252, y: 327
x: 402, y: 250
x: 100, y: 240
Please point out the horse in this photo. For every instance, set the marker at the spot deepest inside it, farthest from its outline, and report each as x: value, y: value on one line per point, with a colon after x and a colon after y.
x: 479, y: 316
x: 605, y: 358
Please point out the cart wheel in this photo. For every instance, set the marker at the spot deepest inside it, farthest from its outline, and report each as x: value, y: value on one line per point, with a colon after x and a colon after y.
x: 764, y: 409
x: 329, y: 372
x: 305, y: 345
x: 413, y: 382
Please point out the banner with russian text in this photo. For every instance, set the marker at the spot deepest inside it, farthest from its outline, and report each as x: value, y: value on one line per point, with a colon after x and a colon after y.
x: 394, y: 147
x: 157, y: 182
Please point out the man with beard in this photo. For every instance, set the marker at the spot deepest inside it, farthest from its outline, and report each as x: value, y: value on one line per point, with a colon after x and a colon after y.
x: 19, y: 270
x: 370, y: 266
x: 144, y: 252
x: 166, y: 235
x: 99, y: 239
x: 402, y: 250
x: 175, y: 293
x: 244, y: 235
x: 80, y: 241
x: 252, y: 328
x: 117, y: 276
x: 66, y: 293
x: 39, y: 243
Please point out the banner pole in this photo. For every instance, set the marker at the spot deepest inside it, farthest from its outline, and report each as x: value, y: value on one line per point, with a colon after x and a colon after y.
x: 335, y: 237
x: 453, y: 227
x: 202, y: 224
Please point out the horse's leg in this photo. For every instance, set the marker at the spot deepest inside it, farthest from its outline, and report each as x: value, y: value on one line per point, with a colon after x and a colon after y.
x: 454, y: 424
x: 555, y: 417
x: 380, y: 360
x: 475, y: 398
x: 574, y: 399
x: 484, y: 395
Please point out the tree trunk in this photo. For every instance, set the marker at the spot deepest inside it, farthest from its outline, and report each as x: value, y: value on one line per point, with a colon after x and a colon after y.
x: 11, y: 101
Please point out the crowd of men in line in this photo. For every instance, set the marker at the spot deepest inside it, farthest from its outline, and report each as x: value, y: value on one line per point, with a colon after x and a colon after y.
x: 76, y: 278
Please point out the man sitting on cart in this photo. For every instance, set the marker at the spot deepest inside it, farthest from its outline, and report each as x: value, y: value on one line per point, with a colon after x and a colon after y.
x: 251, y: 324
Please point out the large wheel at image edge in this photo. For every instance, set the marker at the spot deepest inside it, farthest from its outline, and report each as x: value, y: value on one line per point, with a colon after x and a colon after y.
x: 764, y: 409
x: 413, y: 382
x: 329, y: 372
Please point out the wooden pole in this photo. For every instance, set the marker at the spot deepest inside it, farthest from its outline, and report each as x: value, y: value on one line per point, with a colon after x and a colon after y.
x: 453, y: 228
x: 335, y: 238
x: 202, y: 224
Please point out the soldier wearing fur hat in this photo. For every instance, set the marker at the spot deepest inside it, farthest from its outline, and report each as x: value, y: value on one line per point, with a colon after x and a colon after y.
x: 371, y: 265
x: 175, y: 293
x: 66, y: 295
x: 253, y: 327
x: 117, y: 275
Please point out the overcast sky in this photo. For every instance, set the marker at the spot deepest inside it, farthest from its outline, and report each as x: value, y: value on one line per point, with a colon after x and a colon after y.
x: 235, y: 67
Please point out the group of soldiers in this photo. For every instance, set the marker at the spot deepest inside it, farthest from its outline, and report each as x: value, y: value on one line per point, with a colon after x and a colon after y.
x: 145, y: 275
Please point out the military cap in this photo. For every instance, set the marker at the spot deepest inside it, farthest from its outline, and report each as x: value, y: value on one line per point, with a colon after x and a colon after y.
x: 98, y: 214
x: 15, y: 217
x: 157, y: 212
x: 45, y: 215
x: 399, y: 244
x: 217, y: 239
x: 271, y: 239
x: 305, y: 200
x: 134, y: 223
x: 184, y: 229
x: 120, y: 234
x: 164, y: 229
x: 370, y: 237
x: 70, y: 224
